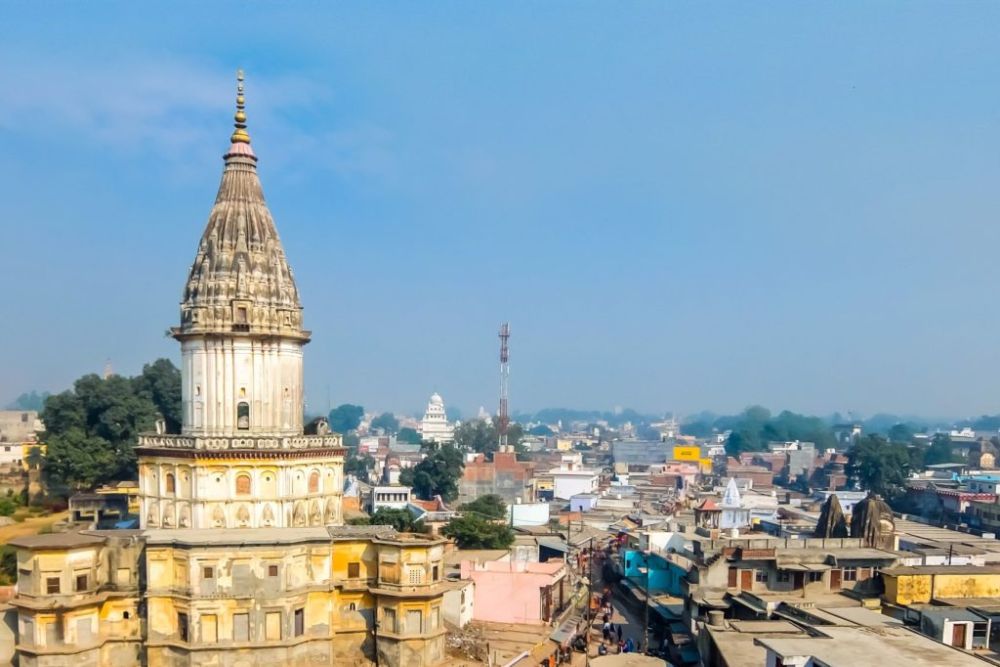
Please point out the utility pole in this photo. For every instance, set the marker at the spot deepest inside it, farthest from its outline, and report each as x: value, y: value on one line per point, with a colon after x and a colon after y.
x: 645, y: 621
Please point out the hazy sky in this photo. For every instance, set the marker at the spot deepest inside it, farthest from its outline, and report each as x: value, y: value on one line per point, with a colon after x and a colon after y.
x: 676, y: 205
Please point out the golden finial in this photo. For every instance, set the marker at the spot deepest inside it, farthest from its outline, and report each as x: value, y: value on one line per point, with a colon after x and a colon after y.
x: 240, y: 134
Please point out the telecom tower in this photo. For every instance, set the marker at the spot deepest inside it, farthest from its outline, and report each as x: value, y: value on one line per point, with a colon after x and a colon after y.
x: 504, y: 420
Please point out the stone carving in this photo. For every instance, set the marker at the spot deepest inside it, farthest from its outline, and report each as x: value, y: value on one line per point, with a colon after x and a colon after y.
x: 218, y: 443
x: 299, y: 516
x: 331, y: 512
x: 832, y: 522
x: 872, y: 521
x: 241, y: 257
x: 218, y: 517
x: 315, y: 514
x: 153, y: 515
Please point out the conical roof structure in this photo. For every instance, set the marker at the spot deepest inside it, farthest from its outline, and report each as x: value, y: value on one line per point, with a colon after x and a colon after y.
x: 832, y: 522
x: 240, y: 282
x: 872, y: 521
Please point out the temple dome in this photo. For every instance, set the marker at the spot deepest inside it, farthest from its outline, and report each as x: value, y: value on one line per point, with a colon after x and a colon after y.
x: 240, y: 281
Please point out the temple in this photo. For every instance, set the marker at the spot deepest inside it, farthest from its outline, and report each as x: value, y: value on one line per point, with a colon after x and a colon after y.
x: 434, y: 427
x: 242, y: 557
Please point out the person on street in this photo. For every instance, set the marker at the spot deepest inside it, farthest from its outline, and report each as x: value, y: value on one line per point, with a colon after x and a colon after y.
x: 602, y: 649
x: 619, y: 632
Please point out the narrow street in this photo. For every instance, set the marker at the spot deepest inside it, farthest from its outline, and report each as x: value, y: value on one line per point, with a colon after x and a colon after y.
x: 626, y: 613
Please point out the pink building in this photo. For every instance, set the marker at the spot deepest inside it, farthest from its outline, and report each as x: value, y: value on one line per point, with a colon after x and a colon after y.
x: 516, y: 591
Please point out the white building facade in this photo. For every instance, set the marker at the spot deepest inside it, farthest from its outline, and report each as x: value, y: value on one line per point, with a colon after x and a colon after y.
x: 571, y: 478
x: 434, y: 427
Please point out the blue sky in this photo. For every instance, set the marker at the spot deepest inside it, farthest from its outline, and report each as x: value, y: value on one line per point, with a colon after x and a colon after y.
x: 676, y: 205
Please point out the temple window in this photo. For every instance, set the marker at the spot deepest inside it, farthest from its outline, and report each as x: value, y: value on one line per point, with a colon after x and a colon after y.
x: 314, y: 482
x: 171, y: 484
x: 243, y: 415
x: 243, y: 485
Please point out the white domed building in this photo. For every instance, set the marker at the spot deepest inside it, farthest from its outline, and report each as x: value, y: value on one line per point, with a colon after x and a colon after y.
x: 434, y: 427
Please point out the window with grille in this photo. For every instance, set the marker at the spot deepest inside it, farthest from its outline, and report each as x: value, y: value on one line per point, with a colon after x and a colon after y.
x: 760, y: 576
x: 784, y: 576
x: 208, y: 572
x: 850, y: 574
x: 416, y: 576
x: 815, y: 576
x: 52, y: 585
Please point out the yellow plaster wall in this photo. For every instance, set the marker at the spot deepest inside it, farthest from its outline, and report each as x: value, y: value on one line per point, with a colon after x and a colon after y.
x: 908, y: 589
x: 966, y: 585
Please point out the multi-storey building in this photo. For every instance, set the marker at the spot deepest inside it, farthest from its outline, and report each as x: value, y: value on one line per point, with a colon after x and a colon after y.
x: 435, y: 427
x: 242, y: 557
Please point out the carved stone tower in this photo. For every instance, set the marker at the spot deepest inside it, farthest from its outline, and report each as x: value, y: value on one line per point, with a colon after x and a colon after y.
x: 241, y: 459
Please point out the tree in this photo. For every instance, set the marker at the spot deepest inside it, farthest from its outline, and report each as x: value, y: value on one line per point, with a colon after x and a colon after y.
x: 408, y: 435
x: 476, y: 436
x: 400, y: 519
x: 901, y: 433
x: 345, y: 417
x: 160, y: 382
x: 92, y: 429
x: 474, y: 532
x: 33, y: 400
x: 8, y: 565
x: 436, y: 475
x: 483, y: 437
x: 941, y: 451
x: 542, y: 430
x: 741, y: 441
x: 387, y: 422
x: 359, y: 465
x: 879, y: 466
x: 490, y: 506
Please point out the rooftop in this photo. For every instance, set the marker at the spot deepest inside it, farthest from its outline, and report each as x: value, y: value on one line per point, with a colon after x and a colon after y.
x: 904, y: 570
x: 887, y: 645
x: 737, y: 646
x: 69, y: 540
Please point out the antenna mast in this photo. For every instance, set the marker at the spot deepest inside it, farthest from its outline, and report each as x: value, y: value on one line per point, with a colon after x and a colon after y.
x: 504, y: 419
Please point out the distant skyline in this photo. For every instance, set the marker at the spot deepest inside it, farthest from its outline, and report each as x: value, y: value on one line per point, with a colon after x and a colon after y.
x: 677, y: 206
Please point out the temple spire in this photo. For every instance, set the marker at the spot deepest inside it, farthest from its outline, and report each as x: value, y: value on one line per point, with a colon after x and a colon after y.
x: 240, y: 134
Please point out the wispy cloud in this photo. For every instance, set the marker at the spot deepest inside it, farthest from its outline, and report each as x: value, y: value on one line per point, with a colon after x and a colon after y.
x: 174, y: 109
